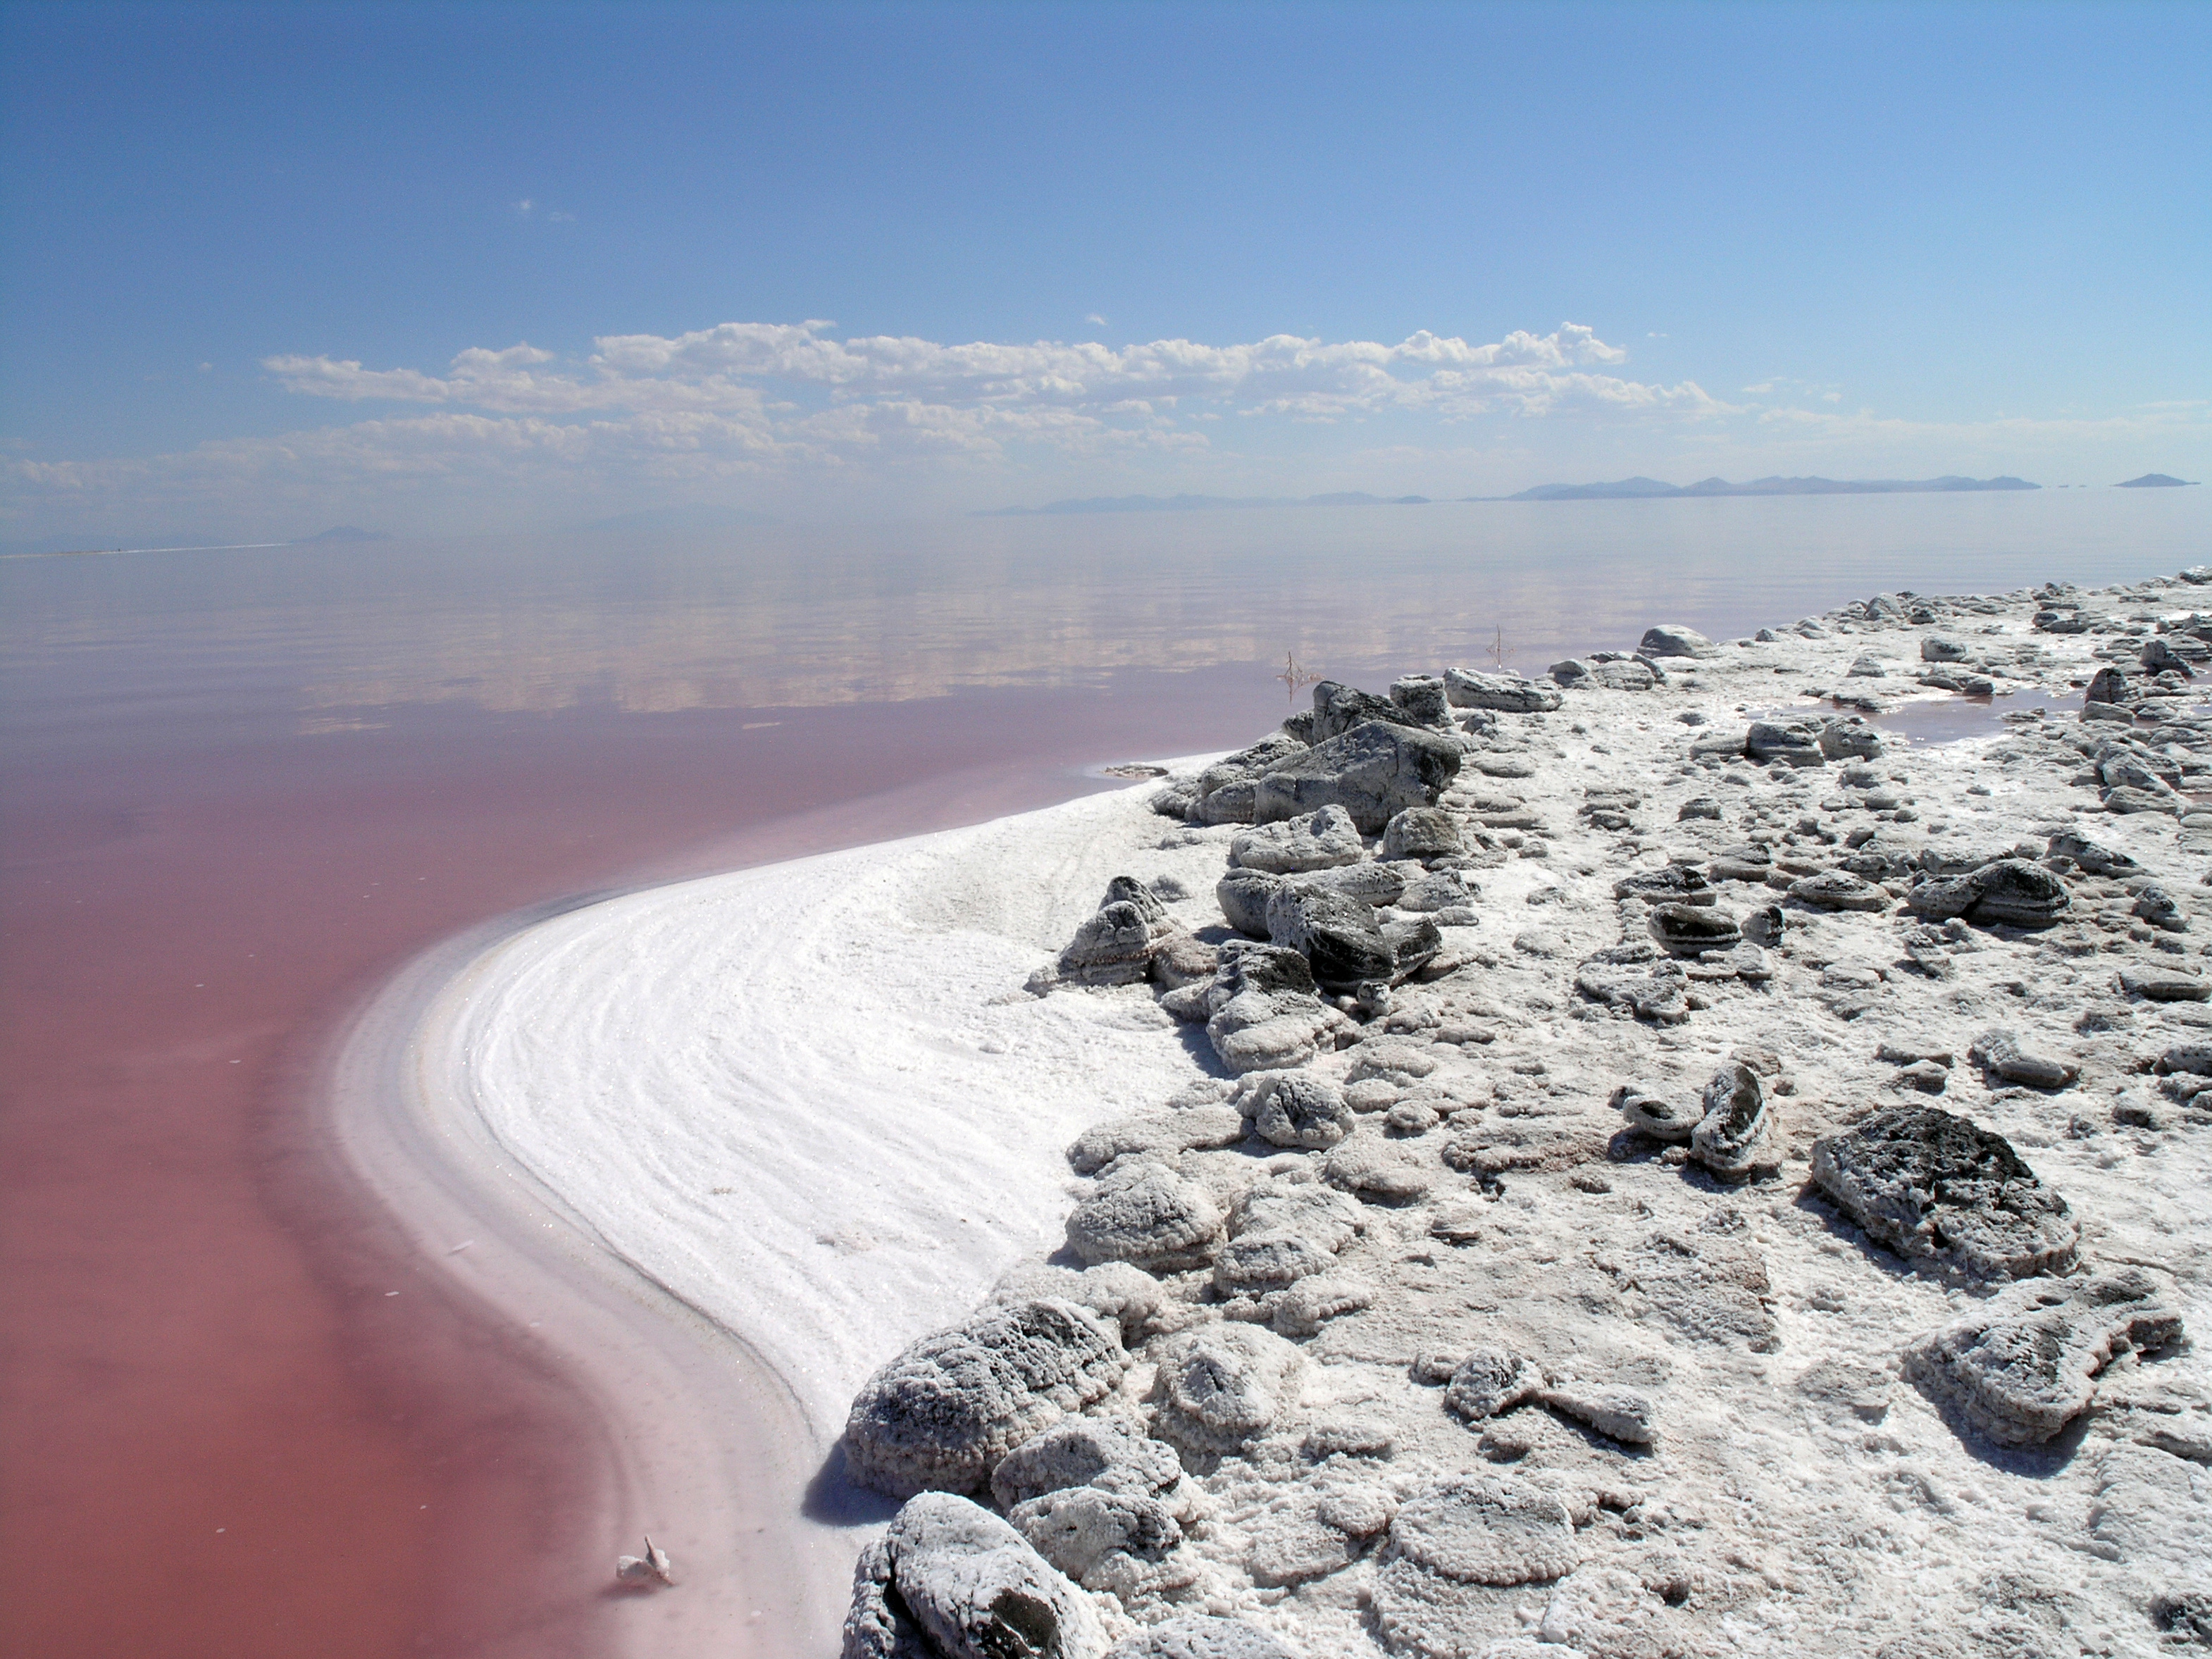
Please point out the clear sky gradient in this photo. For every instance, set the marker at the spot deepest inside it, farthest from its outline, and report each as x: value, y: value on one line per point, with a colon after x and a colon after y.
x: 265, y: 268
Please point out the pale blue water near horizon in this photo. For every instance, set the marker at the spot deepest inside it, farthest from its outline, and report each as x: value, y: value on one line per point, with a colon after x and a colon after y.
x: 247, y: 784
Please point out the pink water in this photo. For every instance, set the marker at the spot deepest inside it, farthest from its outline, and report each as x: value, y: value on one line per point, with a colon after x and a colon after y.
x: 241, y: 788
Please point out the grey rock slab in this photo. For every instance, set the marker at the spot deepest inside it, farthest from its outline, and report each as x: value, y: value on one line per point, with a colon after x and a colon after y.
x: 1796, y: 742
x: 1692, y: 929
x: 1318, y: 841
x: 1929, y: 1184
x: 1374, y: 771
x: 1422, y: 832
x: 1340, y: 938
x: 2001, y: 1054
x: 949, y: 1580
x: 1509, y: 693
x: 1338, y: 708
x: 1838, y: 889
x: 1673, y: 639
x: 941, y: 1414
x: 1243, y: 895
x: 1148, y: 1214
x: 2023, y: 1366
x: 2164, y: 985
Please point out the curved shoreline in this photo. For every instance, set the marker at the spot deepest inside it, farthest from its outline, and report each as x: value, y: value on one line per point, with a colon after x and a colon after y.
x: 694, y: 1421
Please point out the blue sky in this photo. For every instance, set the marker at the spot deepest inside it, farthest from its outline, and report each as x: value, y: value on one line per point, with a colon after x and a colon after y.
x: 436, y: 267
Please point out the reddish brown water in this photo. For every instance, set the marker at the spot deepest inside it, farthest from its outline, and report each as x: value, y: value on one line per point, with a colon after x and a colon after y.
x: 240, y: 789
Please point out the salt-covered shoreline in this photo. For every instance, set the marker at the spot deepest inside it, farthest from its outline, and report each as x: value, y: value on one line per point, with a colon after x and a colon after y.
x: 816, y: 1103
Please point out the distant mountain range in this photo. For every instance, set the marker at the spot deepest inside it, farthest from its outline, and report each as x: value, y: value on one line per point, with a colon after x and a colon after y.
x: 1638, y: 489
x: 1197, y: 503
x: 2155, y: 481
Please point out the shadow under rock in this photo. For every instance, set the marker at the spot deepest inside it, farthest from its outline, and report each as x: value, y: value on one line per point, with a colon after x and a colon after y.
x: 834, y: 1498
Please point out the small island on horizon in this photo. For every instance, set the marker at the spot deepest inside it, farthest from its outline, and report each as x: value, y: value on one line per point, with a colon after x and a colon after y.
x: 1640, y: 488
x: 2156, y: 481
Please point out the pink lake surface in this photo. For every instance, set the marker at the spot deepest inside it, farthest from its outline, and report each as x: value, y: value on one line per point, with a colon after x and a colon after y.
x: 242, y: 788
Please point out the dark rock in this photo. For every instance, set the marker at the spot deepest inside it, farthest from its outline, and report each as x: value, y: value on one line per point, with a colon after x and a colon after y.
x: 1937, y: 649
x: 1673, y: 639
x: 1340, y: 937
x: 949, y: 1580
x: 1851, y: 739
x: 941, y: 1415
x: 2107, y: 685
x: 1679, y: 884
x: 2000, y: 1052
x: 1318, y: 841
x: 1236, y: 772
x: 1797, y: 742
x: 1243, y: 895
x: 1338, y: 708
x: 1510, y: 693
x: 1422, y: 832
x: 2021, y: 1368
x: 1373, y: 772
x: 1838, y: 889
x: 2164, y: 985
x: 1928, y: 1184
x: 1422, y: 698
x: 1690, y: 929
x: 1734, y: 1132
x: 2008, y: 893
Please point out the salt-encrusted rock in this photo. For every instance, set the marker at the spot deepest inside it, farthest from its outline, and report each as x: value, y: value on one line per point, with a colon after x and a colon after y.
x: 941, y: 1415
x: 1147, y: 1214
x: 1296, y: 1108
x: 1263, y: 1013
x: 1322, y: 1214
x: 2022, y: 1367
x: 1222, y: 1386
x: 1485, y: 1530
x: 1673, y: 639
x: 1734, y: 1132
x: 2005, y: 892
x: 1651, y: 1113
x: 1659, y: 992
x: 2107, y: 685
x: 2015, y: 893
x: 2160, y: 909
x: 1338, y: 708
x: 1376, y: 1170
x: 1163, y: 1133
x: 1422, y: 832
x: 1749, y: 860
x: 1181, y: 958
x: 1797, y: 742
x: 1372, y: 883
x: 1691, y: 929
x: 1619, y: 1414
x: 1414, y: 944
x: 1128, y: 1296
x: 1850, y: 739
x: 1374, y: 771
x: 1678, y: 884
x: 1100, y: 1539
x: 2164, y: 985
x: 951, y: 1580
x: 1312, y: 1302
x: 1490, y: 1381
x: 1838, y: 889
x: 1086, y: 1451
x: 1466, y: 688
x: 1197, y: 1636
x: 1445, y: 890
x: 1318, y: 841
x: 2001, y: 1053
x: 1259, y: 1262
x: 1422, y: 697
x: 1224, y: 791
x: 1243, y: 895
x: 1340, y: 937
x: 1115, y: 945
x: 1936, y: 647
x: 1926, y: 1184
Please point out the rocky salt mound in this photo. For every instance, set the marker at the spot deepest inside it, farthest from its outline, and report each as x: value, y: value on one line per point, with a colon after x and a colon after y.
x: 1665, y: 1171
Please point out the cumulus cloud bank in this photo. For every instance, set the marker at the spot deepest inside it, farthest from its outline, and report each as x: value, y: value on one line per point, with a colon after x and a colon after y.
x: 793, y: 406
